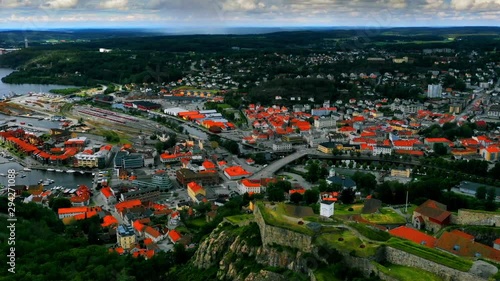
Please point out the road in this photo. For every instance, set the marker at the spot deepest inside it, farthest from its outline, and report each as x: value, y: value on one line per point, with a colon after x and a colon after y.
x: 272, y: 168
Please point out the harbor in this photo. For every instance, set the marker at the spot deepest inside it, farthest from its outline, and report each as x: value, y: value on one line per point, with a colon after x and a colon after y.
x: 46, y: 176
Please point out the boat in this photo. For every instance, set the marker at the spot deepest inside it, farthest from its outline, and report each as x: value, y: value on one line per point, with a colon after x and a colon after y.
x: 50, y: 170
x: 27, y: 169
x: 82, y: 172
x: 22, y: 123
x: 70, y: 171
x: 22, y: 176
x: 59, y: 171
x: 30, y: 125
x: 2, y: 175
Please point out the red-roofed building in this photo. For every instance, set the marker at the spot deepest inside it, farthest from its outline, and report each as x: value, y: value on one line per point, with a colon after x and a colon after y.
x: 414, y: 235
x: 208, y: 165
x: 431, y: 215
x: 74, y: 211
x: 109, y: 221
x: 108, y: 194
x: 460, y: 244
x: 247, y: 186
x: 490, y: 153
x: 127, y: 205
x: 496, y: 244
x: 153, y: 234
x: 432, y: 141
x: 404, y: 144
x: 138, y: 227
x: 81, y: 196
x: 236, y: 172
x: 174, y: 236
x: 196, y: 192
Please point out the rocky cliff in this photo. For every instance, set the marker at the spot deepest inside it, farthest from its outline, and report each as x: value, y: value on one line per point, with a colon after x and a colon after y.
x: 238, y: 254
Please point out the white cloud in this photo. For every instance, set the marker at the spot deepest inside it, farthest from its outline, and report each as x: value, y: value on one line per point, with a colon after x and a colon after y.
x: 242, y: 5
x: 14, y: 3
x: 114, y: 4
x: 61, y: 4
x: 462, y: 5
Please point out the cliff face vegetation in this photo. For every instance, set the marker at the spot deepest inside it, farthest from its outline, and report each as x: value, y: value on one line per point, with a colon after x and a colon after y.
x: 238, y: 254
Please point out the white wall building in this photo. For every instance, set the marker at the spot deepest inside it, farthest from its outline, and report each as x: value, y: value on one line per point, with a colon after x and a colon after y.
x: 327, y: 208
x: 282, y: 146
x: 325, y: 123
x: 434, y: 91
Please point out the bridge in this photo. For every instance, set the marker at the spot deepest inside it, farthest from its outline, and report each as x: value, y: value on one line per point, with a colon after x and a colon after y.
x: 274, y: 167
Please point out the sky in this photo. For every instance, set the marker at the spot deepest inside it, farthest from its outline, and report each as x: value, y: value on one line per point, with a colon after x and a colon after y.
x: 168, y: 14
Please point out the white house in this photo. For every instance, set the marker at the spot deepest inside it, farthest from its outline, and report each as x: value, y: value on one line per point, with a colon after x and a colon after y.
x: 327, y: 208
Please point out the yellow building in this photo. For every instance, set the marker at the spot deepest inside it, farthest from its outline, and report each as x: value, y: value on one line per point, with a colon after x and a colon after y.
x: 196, y: 192
x: 401, y: 172
x: 125, y: 236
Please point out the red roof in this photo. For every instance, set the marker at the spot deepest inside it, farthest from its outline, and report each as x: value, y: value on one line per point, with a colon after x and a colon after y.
x: 438, y: 140
x: 463, y: 234
x: 108, y: 221
x: 414, y: 235
x: 152, y: 232
x: 106, y: 191
x: 196, y: 188
x: 236, y: 171
x: 250, y: 183
x: 493, y: 149
x: 174, y: 235
x: 208, y: 165
x: 128, y: 204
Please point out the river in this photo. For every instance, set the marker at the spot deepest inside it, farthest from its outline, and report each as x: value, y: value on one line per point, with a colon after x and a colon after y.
x: 22, y: 89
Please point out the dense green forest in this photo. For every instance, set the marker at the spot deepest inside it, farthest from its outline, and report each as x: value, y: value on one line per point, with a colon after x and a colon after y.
x: 146, y: 57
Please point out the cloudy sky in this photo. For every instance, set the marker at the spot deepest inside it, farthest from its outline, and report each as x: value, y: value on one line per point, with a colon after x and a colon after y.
x: 40, y: 14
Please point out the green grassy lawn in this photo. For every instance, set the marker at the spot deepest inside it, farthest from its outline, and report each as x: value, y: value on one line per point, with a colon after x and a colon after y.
x: 404, y: 273
x: 197, y: 222
x: 274, y: 215
x: 343, y: 209
x: 370, y: 232
x: 350, y: 243
x: 411, y: 208
x: 240, y: 218
x: 431, y: 254
x: 386, y: 216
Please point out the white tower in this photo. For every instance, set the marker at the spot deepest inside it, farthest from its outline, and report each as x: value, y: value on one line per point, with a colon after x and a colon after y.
x: 25, y: 42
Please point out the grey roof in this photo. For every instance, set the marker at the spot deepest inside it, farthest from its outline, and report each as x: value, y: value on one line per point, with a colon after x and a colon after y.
x: 346, y: 182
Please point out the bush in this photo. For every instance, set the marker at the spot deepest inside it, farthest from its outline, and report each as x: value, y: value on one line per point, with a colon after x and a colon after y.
x: 350, y: 209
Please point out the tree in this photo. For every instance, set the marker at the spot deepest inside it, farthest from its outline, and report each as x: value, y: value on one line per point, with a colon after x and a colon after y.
x: 56, y: 203
x: 311, y: 196
x: 491, y: 194
x: 347, y: 196
x: 275, y: 193
x: 296, y: 198
x: 312, y: 172
x: 481, y: 193
x: 440, y: 149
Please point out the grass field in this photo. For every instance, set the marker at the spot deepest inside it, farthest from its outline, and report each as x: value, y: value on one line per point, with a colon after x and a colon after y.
x: 343, y: 209
x: 386, y: 216
x: 239, y: 218
x: 404, y: 273
x: 431, y: 254
x: 350, y: 243
x: 197, y: 222
x: 274, y: 215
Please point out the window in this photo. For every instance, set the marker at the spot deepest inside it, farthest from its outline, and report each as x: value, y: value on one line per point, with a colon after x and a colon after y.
x: 456, y: 248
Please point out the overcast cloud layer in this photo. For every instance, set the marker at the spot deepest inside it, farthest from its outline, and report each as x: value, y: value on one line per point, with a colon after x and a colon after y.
x: 33, y: 14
